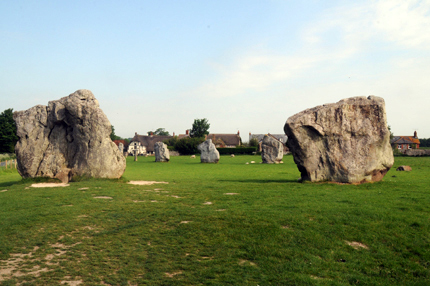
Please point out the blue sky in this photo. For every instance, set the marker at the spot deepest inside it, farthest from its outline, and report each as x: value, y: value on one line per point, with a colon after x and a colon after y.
x: 243, y: 65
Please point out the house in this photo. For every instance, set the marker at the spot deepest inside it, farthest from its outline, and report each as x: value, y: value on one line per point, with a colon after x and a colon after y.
x: 136, y: 146
x: 403, y: 143
x: 146, y: 143
x: 124, y: 143
x: 225, y: 140
x: 280, y: 137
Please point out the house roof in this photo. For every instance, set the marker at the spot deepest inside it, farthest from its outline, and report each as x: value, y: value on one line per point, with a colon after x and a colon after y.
x: 405, y: 140
x: 149, y: 141
x: 228, y: 139
x: 124, y: 143
x: 180, y: 136
x: 280, y: 137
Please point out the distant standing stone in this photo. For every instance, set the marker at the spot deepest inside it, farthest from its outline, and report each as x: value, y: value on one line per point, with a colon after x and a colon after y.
x: 347, y: 141
x: 121, y: 147
x: 272, y: 150
x: 209, y: 153
x: 161, y: 152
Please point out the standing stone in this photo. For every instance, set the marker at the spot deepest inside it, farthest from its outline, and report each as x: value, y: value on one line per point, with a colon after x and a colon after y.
x: 209, y: 153
x: 161, y: 152
x: 272, y: 150
x: 121, y: 147
x: 346, y: 142
x: 69, y: 137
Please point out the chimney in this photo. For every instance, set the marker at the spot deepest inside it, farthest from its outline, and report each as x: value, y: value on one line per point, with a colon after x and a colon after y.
x: 187, y: 132
x: 151, y: 134
x: 415, y: 134
x: 135, y: 133
x: 173, y: 134
x: 238, y: 133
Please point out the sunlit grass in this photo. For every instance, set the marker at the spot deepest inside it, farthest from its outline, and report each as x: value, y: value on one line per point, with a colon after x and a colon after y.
x: 219, y: 224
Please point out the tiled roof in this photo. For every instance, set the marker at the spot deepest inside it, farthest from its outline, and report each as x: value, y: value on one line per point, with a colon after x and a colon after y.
x: 124, y: 143
x: 149, y: 141
x: 280, y: 137
x: 405, y: 140
x: 228, y: 139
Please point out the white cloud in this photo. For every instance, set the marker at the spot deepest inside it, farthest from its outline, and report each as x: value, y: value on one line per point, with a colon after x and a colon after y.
x: 405, y: 22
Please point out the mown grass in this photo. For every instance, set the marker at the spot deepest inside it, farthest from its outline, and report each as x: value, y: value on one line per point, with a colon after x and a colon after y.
x: 272, y: 231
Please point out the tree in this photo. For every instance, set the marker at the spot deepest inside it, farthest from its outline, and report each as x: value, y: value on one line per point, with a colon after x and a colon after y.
x: 200, y: 128
x: 253, y: 142
x: 391, y: 133
x: 113, y: 135
x: 188, y: 145
x: 171, y: 142
x: 159, y: 131
x: 8, y: 136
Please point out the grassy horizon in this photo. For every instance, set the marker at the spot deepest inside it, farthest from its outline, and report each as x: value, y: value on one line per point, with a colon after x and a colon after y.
x: 218, y: 224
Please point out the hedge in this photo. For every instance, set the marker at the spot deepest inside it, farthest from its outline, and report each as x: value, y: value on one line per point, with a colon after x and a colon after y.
x: 237, y: 151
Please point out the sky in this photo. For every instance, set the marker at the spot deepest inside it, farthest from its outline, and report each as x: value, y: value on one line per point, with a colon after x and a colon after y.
x: 244, y: 65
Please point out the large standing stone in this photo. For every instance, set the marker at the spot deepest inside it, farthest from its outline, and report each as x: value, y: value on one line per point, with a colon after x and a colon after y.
x: 272, y: 150
x: 69, y: 137
x: 346, y: 142
x: 209, y: 153
x: 161, y: 152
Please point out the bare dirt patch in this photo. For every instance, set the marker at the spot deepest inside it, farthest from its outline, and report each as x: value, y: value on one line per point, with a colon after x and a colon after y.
x: 356, y: 245
x: 81, y: 189
x: 231, y: 194
x: 244, y: 262
x: 145, y: 183
x: 185, y: 221
x: 2, y: 191
x: 104, y: 197
x: 72, y: 283
x: 208, y: 203
x: 49, y: 185
x: 171, y: 275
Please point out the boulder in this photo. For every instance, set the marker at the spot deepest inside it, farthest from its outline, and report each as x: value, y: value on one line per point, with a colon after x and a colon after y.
x: 69, y: 137
x: 417, y: 152
x: 209, y: 153
x: 271, y: 150
x: 404, y: 168
x: 346, y: 142
x: 161, y: 152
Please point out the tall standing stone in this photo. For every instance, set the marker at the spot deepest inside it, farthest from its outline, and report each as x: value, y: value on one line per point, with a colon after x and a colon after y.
x: 121, y: 147
x: 272, y: 150
x: 161, y: 152
x: 69, y: 137
x: 347, y: 141
x: 209, y: 153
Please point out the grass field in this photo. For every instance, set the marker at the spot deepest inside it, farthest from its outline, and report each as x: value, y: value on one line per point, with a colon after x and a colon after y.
x: 217, y: 224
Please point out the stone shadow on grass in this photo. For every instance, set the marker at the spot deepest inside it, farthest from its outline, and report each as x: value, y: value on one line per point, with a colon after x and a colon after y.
x: 260, y: 181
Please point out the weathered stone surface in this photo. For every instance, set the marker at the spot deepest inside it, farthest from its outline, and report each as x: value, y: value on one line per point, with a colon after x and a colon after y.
x: 161, y: 152
x: 69, y: 137
x: 209, y: 153
x: 346, y: 142
x: 404, y: 168
x: 271, y: 150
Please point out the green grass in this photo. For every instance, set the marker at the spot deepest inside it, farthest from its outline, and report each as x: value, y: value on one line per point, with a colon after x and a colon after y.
x: 274, y: 231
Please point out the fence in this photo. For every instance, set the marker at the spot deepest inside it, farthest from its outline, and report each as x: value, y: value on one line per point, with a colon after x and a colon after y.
x: 8, y: 164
